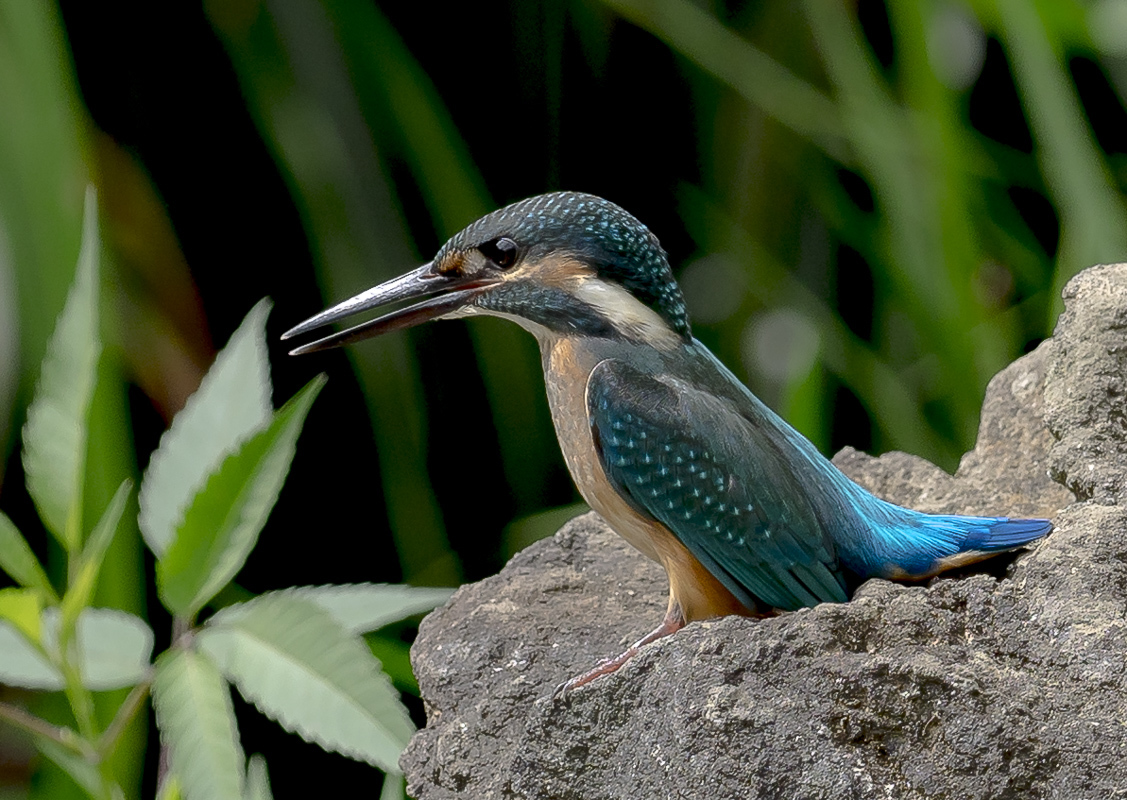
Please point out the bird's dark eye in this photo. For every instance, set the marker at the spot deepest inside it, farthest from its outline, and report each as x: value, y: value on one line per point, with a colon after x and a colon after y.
x: 502, y: 252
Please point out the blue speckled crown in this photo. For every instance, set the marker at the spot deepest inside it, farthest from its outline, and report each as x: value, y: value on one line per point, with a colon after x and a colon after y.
x: 606, y: 236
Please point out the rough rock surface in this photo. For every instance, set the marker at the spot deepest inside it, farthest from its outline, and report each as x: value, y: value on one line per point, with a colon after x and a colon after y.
x: 1004, y: 685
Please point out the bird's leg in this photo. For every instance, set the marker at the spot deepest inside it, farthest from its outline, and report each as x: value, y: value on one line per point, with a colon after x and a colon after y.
x: 673, y: 622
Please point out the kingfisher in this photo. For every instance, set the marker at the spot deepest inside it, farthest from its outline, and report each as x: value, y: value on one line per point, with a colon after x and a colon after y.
x: 662, y: 440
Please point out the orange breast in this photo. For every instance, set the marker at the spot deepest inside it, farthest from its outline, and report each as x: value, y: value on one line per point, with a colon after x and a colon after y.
x: 566, y: 369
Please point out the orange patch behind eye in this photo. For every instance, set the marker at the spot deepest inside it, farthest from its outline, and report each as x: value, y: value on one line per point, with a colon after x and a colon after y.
x: 560, y: 270
x: 453, y: 263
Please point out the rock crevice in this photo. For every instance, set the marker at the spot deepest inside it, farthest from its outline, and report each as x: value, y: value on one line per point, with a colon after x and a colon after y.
x: 1006, y: 684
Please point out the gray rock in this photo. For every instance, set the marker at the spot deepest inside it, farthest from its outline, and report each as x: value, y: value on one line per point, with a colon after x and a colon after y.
x: 1003, y: 684
x: 1085, y: 394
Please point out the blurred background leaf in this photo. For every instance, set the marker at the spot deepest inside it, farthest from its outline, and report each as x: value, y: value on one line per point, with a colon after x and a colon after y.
x: 872, y: 207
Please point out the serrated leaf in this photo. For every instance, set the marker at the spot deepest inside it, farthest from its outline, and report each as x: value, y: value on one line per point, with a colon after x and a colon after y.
x: 364, y: 607
x: 222, y: 524
x: 394, y: 787
x: 114, y: 649
x: 81, y: 587
x: 22, y: 665
x: 298, y: 666
x: 233, y: 402
x: 17, y: 559
x: 22, y: 608
x: 54, y: 436
x: 197, y: 725
x: 395, y: 656
x: 258, y: 779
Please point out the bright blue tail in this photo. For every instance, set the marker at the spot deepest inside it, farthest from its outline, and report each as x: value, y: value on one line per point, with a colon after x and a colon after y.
x: 910, y: 544
x: 1001, y: 533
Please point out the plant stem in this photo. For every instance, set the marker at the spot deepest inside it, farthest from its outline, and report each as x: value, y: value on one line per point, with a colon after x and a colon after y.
x: 123, y: 717
x: 32, y: 724
x: 181, y: 627
x: 81, y: 701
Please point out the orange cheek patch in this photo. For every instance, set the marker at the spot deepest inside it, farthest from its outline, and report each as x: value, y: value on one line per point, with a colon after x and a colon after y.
x: 559, y: 271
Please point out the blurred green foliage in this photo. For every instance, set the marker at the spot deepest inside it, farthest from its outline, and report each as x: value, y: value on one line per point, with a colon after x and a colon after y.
x: 872, y: 207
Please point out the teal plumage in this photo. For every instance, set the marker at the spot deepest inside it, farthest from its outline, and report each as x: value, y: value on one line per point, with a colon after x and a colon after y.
x: 777, y: 523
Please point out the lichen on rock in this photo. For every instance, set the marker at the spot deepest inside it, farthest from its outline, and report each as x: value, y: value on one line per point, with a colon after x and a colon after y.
x: 1004, y: 683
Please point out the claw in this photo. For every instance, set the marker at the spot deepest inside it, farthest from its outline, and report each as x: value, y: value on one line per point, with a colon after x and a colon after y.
x: 673, y: 622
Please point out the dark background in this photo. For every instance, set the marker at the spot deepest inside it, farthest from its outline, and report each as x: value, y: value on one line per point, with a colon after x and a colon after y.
x: 305, y: 151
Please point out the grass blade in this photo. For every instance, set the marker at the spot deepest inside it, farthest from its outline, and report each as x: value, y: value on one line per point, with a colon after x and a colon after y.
x: 396, y: 87
x: 301, y: 94
x: 1091, y: 208
x: 753, y: 74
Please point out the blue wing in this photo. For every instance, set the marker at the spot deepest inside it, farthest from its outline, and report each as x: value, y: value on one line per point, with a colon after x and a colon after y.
x: 722, y: 487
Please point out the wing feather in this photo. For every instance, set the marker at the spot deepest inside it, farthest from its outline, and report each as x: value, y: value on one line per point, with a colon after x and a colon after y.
x: 717, y: 482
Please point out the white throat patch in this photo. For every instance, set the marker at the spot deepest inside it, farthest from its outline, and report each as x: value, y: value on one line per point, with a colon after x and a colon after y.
x: 626, y: 313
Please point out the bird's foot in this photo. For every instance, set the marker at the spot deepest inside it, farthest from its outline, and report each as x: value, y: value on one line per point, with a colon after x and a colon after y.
x: 673, y: 622
x: 604, y: 667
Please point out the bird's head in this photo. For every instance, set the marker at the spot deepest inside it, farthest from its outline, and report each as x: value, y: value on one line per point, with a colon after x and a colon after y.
x: 560, y: 264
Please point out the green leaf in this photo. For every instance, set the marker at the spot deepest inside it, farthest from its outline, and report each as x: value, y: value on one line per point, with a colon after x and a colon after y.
x: 394, y: 787
x: 54, y: 437
x: 17, y: 559
x: 233, y: 402
x: 1087, y: 199
x: 258, y: 779
x: 113, y: 649
x: 299, y: 667
x: 197, y: 724
x: 170, y: 788
x: 22, y: 608
x: 21, y: 664
x: 85, y: 578
x: 363, y: 607
x: 395, y: 656
x: 222, y: 524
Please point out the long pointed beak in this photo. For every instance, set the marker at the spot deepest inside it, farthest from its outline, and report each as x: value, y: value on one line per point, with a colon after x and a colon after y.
x: 452, y: 293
